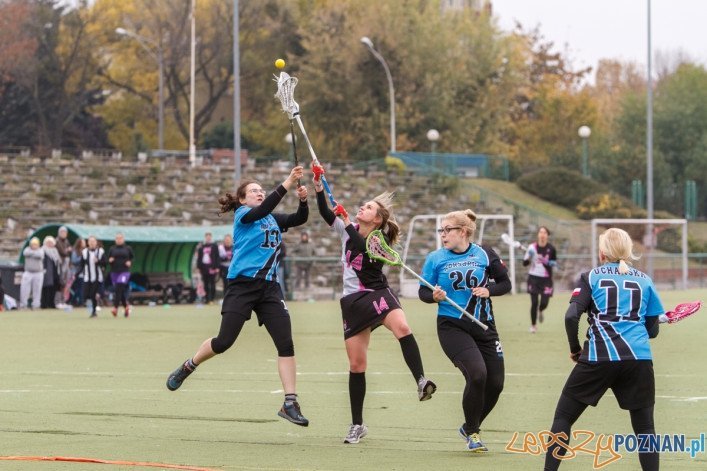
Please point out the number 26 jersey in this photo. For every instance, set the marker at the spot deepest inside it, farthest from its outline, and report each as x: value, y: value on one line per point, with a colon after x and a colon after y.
x: 457, y: 273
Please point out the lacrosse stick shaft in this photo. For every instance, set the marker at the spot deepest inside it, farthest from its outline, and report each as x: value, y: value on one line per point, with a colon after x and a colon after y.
x: 316, y: 161
x: 294, y: 148
x: 457, y: 306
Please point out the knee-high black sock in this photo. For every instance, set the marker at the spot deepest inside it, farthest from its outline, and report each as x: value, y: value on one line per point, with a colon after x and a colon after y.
x: 357, y: 392
x: 411, y: 353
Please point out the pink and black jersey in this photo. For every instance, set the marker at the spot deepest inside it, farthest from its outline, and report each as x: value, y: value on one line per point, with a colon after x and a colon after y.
x: 361, y: 273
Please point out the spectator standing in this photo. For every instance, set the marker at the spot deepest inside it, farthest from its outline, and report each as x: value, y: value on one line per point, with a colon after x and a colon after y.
x: 52, y: 274
x: 93, y: 259
x: 63, y: 246
x: 207, y: 261
x: 120, y: 258
x: 76, y: 280
x: 31, y: 284
x: 225, y: 255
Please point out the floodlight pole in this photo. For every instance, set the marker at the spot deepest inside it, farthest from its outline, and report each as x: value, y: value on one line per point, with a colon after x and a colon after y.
x: 369, y: 44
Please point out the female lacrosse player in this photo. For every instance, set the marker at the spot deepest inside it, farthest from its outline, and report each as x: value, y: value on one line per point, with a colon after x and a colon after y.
x: 367, y: 301
x: 541, y: 256
x: 623, y: 308
x: 462, y: 271
x: 252, y: 283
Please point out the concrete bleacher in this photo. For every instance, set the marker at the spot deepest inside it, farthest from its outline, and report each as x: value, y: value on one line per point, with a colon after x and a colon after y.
x: 97, y: 189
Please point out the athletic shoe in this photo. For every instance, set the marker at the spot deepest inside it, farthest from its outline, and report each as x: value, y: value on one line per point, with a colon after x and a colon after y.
x: 93, y: 314
x: 425, y: 388
x: 473, y: 441
x: 291, y: 411
x: 127, y: 311
x: 114, y: 311
x: 356, y: 433
x: 177, y: 377
x: 541, y: 318
x: 532, y: 329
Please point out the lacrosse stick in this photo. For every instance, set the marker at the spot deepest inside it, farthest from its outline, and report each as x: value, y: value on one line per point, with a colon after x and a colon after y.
x: 378, y: 249
x: 506, y: 239
x: 286, y: 95
x: 681, y: 311
x: 294, y: 147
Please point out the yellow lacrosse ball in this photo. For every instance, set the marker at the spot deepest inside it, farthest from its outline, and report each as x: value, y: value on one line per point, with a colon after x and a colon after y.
x: 280, y: 64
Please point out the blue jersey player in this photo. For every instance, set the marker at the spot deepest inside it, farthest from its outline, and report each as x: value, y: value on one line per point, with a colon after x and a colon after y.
x: 622, y: 308
x: 252, y: 283
x: 462, y: 271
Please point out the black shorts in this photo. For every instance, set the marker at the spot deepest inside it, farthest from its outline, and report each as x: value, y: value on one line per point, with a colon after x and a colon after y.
x: 365, y: 309
x: 540, y: 285
x: 457, y: 335
x: 245, y: 295
x: 632, y: 382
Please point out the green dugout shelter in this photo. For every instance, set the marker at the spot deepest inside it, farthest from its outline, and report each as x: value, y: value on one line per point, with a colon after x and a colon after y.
x: 156, y: 248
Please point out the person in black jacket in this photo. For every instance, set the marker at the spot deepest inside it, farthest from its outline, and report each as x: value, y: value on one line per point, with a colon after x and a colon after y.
x: 120, y: 259
x: 207, y: 261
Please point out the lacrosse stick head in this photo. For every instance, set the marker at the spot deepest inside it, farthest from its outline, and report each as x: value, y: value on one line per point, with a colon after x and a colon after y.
x: 506, y: 239
x: 378, y: 249
x: 286, y: 93
x: 682, y: 311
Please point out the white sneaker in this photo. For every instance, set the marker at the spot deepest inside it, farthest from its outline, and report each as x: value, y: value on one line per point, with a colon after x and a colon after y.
x: 356, y: 433
x: 533, y: 329
x: 425, y: 388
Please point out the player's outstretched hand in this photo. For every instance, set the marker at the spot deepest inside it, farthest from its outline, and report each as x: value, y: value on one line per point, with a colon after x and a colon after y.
x: 295, y: 174
x: 318, y: 171
x: 302, y: 192
x: 341, y: 211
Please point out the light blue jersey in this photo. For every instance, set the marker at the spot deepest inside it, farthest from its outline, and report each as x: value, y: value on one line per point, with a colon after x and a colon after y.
x: 618, y: 306
x: 458, y: 273
x: 256, y: 247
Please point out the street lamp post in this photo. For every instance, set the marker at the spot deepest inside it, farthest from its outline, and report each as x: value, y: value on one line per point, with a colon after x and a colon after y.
x: 369, y: 44
x: 584, y: 132
x: 156, y: 54
x: 433, y: 137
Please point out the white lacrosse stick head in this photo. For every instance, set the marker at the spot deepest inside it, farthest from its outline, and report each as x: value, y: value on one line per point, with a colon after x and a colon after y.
x: 286, y: 93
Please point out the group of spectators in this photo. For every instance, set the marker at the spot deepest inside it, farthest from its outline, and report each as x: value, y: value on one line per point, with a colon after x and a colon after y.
x: 59, y: 275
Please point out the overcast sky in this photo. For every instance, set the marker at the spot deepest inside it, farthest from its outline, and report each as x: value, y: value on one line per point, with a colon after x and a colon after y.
x: 596, y: 29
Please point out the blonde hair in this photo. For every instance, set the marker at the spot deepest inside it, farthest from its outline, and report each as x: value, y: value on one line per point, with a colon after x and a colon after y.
x: 616, y: 246
x: 465, y: 218
x: 49, y: 240
x: 388, y: 225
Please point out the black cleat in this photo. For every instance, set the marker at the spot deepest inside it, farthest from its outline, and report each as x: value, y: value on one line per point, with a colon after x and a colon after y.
x: 292, y: 412
x: 177, y: 377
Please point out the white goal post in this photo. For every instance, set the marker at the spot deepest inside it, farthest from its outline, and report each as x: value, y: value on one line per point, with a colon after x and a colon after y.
x: 649, y: 240
x: 409, y: 286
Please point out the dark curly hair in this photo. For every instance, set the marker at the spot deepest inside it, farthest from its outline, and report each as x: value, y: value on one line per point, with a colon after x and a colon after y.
x: 231, y: 202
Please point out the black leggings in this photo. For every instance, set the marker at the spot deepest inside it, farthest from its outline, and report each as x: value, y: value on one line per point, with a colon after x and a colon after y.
x: 279, y: 328
x: 544, y: 301
x: 484, y: 383
x: 568, y: 411
x: 121, y: 291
